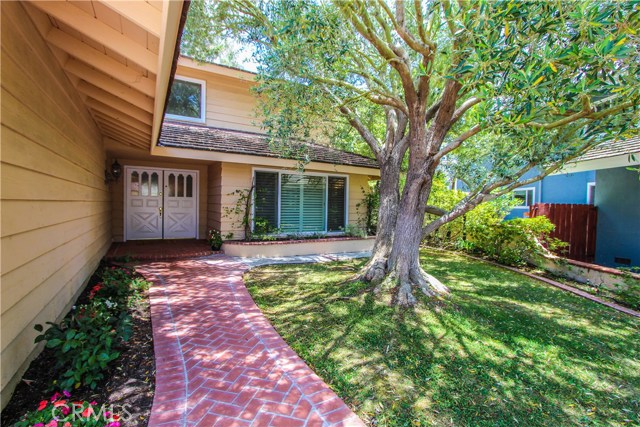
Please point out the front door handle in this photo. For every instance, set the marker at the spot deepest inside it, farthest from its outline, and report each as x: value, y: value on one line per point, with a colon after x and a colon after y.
x: 160, y: 209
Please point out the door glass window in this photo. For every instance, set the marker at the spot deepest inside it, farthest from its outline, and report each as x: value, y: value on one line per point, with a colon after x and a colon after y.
x: 144, y: 186
x: 135, y: 184
x: 172, y: 185
x: 154, y: 184
x: 189, y: 186
x: 180, y: 185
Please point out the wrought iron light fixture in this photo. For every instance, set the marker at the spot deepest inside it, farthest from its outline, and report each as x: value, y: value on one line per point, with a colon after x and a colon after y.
x: 114, y: 173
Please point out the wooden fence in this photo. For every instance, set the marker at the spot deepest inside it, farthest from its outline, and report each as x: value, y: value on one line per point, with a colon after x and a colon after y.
x: 575, y: 224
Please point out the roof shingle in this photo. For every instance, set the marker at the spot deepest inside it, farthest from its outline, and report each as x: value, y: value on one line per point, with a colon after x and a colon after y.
x: 611, y: 149
x: 205, y: 138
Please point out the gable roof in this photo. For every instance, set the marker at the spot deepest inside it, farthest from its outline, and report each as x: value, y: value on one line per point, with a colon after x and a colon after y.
x: 611, y: 149
x: 198, y: 137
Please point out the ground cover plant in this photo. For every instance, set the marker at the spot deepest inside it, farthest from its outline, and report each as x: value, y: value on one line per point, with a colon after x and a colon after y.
x: 503, y: 350
x: 99, y: 358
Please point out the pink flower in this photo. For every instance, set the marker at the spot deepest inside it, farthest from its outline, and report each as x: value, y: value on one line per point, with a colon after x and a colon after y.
x: 43, y: 404
x: 66, y: 393
x: 67, y: 424
x: 60, y: 403
x: 93, y: 403
x: 39, y: 425
x: 52, y: 423
x: 55, y: 396
x: 113, y: 424
x: 65, y: 410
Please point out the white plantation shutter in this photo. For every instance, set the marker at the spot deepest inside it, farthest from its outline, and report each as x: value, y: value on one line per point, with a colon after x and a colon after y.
x: 290, y: 201
x: 313, y: 203
x: 302, y: 203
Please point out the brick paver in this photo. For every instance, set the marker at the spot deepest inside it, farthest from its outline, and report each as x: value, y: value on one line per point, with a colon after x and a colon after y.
x: 219, y: 362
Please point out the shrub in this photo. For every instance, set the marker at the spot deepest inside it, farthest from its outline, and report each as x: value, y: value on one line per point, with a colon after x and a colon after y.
x: 86, y: 340
x: 215, y: 239
x: 352, y: 230
x: 484, y: 230
x: 512, y: 242
x: 61, y: 411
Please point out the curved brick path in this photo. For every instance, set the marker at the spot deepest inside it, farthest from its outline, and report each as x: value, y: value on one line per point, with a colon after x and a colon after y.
x: 219, y: 362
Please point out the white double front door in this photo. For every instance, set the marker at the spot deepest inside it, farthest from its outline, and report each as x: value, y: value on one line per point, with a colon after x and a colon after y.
x: 160, y: 203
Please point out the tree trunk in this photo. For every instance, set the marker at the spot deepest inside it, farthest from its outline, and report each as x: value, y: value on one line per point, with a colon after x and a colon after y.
x: 403, y: 266
x: 375, y: 270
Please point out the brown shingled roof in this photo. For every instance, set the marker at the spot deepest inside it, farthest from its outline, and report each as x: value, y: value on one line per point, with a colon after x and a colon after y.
x: 205, y: 138
x: 611, y: 149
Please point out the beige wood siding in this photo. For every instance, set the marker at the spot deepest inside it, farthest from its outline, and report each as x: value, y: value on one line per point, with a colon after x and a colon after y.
x: 236, y: 176
x: 230, y: 103
x: 55, y: 205
x: 358, y: 184
x: 214, y: 212
x: 117, y: 189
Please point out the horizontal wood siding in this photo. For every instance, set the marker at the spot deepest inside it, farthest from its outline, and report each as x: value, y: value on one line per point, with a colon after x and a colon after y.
x: 357, y: 210
x: 214, y: 210
x: 55, y: 205
x: 230, y: 103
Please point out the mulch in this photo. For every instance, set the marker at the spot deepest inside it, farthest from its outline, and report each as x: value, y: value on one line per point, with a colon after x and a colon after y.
x: 129, y: 382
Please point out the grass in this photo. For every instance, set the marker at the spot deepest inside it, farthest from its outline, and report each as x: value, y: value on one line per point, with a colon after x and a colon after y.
x: 504, y: 350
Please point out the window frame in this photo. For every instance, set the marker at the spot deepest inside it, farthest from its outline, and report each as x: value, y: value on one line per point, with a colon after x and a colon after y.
x: 326, y: 176
x: 203, y: 101
x: 591, y: 185
x: 533, y: 197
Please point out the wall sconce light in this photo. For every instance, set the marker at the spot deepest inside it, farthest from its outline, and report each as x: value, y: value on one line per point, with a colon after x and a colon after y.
x: 114, y: 173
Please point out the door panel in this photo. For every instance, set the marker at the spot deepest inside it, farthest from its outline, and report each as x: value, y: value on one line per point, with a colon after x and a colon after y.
x: 180, y: 204
x: 144, y: 203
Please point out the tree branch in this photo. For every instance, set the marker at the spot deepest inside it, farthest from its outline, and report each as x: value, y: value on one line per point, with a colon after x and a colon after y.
x: 466, y: 105
x: 457, y: 142
x: 588, y: 112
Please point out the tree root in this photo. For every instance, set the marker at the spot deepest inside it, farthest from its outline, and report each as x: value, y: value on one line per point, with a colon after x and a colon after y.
x: 375, y: 271
x: 429, y: 285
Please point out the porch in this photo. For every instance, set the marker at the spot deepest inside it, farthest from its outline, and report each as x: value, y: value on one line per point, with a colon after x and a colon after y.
x: 158, y: 250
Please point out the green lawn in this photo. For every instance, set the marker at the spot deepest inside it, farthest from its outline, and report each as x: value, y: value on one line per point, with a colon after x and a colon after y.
x: 504, y: 350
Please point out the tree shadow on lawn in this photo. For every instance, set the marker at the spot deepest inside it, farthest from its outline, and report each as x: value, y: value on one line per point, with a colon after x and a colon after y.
x: 489, y: 357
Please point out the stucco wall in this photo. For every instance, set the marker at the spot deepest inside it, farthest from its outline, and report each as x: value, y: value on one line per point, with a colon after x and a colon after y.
x: 55, y: 205
x: 117, y: 189
x: 618, y: 230
x: 563, y: 188
x: 236, y: 176
x: 566, y: 188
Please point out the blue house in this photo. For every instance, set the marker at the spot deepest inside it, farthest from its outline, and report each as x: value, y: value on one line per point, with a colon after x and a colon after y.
x: 568, y: 187
x: 603, y: 177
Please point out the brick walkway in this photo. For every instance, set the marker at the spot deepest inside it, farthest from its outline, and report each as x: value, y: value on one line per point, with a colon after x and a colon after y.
x: 219, y: 362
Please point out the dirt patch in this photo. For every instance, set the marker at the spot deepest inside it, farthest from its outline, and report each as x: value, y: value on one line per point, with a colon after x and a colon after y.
x: 129, y: 382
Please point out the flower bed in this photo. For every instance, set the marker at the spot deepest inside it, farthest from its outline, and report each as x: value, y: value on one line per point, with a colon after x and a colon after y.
x: 101, y: 352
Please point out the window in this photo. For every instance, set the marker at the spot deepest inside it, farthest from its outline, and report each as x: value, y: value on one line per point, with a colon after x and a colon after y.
x: 295, y: 203
x: 591, y: 193
x: 187, y: 99
x: 525, y: 197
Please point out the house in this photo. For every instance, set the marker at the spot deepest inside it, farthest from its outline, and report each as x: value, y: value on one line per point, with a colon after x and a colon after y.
x: 84, y: 91
x: 567, y: 187
x: 604, y: 177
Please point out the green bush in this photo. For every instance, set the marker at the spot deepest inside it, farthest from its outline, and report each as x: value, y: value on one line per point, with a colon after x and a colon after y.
x: 215, y: 239
x: 511, y: 242
x: 484, y: 230
x: 86, y: 340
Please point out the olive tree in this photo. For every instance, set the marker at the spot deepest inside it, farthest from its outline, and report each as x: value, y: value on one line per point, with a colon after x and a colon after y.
x: 504, y: 91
